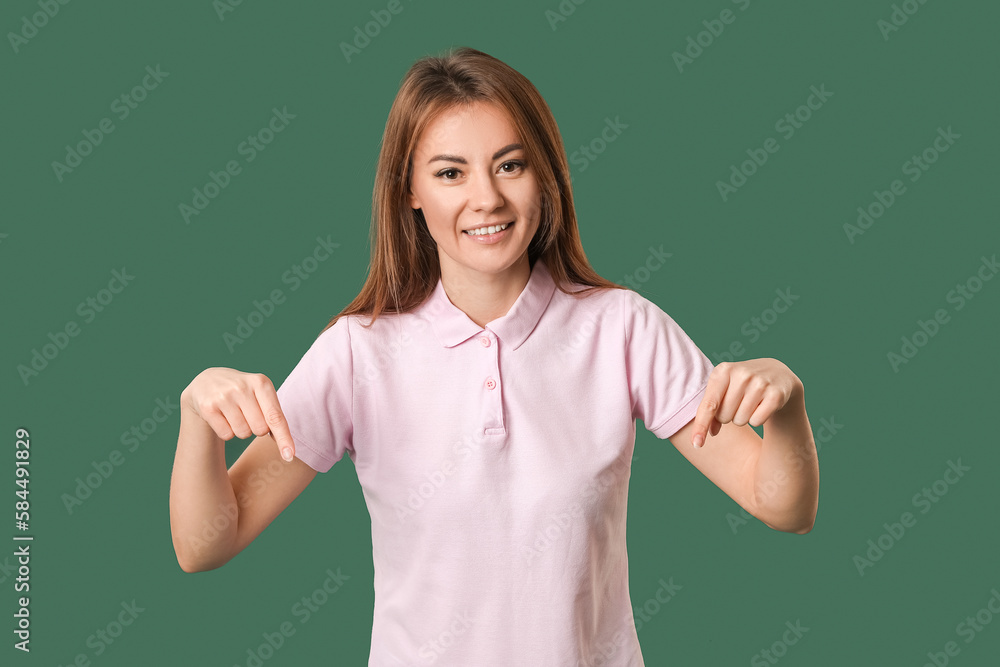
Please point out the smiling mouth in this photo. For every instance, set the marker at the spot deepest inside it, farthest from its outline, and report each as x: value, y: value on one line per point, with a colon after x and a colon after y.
x: 486, y: 231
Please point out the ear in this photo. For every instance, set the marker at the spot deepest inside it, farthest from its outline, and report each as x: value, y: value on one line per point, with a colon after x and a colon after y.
x: 412, y: 199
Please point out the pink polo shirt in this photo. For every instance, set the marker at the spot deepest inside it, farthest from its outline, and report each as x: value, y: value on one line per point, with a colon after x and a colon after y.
x: 495, y: 462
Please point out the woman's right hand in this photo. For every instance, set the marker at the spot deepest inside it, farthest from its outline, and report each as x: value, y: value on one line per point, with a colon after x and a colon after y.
x: 237, y: 404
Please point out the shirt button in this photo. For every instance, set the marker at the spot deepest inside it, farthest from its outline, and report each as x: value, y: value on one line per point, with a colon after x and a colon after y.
x: 490, y: 384
x: 485, y: 341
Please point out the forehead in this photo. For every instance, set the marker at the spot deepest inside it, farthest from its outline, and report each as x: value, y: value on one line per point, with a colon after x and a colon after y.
x: 483, y: 124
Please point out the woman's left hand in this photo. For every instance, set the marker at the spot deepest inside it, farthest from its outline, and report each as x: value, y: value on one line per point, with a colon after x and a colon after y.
x: 744, y: 392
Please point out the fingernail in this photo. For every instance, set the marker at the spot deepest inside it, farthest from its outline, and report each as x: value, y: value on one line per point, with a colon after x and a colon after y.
x: 698, y: 440
x: 286, y: 454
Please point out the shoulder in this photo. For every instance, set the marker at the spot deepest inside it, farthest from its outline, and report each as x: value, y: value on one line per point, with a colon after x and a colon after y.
x: 645, y: 318
x: 331, y: 344
x: 577, y: 296
x: 622, y: 303
x: 388, y: 328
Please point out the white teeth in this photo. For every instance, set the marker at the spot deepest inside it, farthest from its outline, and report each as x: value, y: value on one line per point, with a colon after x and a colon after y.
x: 482, y: 231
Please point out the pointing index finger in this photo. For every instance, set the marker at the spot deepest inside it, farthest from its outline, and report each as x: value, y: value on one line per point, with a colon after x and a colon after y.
x: 707, y: 409
x: 277, y: 423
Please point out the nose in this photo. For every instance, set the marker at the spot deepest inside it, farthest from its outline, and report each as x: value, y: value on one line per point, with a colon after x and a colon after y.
x: 484, y: 195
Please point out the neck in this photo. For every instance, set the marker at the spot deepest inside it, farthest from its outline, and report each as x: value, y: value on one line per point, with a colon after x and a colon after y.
x: 482, y: 296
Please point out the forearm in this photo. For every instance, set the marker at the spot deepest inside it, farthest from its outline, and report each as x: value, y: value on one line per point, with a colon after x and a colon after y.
x: 203, y: 508
x: 786, y: 479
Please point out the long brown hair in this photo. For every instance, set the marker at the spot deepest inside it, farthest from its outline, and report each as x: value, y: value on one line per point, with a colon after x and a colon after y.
x: 404, y: 268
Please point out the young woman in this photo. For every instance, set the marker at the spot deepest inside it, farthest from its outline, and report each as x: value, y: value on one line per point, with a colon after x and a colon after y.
x: 485, y: 383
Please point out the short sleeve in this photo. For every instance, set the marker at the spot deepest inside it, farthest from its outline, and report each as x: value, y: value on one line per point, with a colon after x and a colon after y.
x: 317, y: 399
x: 667, y: 372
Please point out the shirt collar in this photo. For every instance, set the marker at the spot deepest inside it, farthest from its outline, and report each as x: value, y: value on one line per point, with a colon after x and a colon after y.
x: 452, y: 326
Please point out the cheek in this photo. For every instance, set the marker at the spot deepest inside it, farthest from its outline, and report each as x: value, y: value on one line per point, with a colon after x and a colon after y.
x: 442, y: 202
x: 439, y: 216
x: 532, y: 206
x: 531, y: 198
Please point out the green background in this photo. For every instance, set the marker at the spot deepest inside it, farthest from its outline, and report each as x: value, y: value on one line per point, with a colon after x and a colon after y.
x: 654, y: 185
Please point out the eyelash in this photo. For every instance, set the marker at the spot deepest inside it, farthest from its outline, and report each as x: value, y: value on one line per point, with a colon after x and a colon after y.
x: 517, y: 163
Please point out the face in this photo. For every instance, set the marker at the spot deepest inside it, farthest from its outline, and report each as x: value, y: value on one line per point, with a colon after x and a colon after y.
x: 470, y: 173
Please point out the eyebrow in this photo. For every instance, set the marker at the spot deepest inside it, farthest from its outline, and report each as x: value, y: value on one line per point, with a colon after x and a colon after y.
x: 461, y: 160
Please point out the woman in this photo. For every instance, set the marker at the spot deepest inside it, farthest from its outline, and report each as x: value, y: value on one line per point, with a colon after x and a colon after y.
x: 485, y: 383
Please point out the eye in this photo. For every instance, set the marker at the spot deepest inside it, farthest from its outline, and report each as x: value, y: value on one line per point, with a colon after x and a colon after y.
x: 446, y: 171
x: 514, y: 163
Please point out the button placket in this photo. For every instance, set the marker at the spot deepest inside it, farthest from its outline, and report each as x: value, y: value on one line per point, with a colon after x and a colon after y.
x: 493, y: 399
